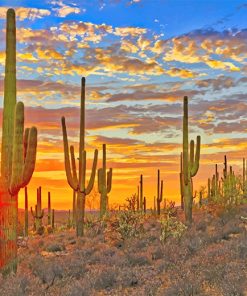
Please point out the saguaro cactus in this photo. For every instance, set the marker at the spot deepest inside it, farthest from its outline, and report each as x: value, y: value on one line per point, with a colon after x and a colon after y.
x: 104, y: 184
x: 78, y: 183
x: 74, y: 208
x: 26, y: 213
x: 159, y: 192
x: 49, y: 209
x: 141, y: 193
x: 138, y: 200
x: 18, y: 154
x: 181, y: 178
x: 144, y: 205
x: 39, y: 213
x: 190, y: 164
x: 53, y: 219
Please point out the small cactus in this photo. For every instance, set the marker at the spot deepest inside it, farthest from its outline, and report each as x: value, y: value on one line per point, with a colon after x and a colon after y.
x: 38, y: 214
x: 104, y: 184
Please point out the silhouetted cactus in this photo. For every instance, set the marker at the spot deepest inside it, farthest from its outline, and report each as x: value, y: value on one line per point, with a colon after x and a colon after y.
x: 181, y: 178
x: 49, y: 209
x: 38, y: 214
x: 53, y: 219
x: 104, y: 184
x: 17, y: 157
x: 159, y: 192
x: 78, y: 183
x: 26, y: 213
x: 144, y: 205
x: 190, y: 164
x: 138, y: 199
x: 141, y: 193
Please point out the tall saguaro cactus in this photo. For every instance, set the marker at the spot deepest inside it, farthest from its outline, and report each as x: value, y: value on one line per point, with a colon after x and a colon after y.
x: 190, y: 163
x: 78, y: 183
x: 49, y: 209
x: 159, y: 192
x: 26, y: 213
x: 104, y: 184
x: 18, y: 154
x: 141, y: 193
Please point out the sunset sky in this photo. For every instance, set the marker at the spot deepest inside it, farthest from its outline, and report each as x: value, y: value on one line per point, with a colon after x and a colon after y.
x: 139, y: 57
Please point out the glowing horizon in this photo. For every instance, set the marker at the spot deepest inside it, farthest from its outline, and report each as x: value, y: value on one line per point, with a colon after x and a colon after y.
x: 138, y: 67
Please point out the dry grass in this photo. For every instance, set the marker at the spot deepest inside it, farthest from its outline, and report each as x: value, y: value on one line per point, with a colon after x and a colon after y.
x: 209, y: 259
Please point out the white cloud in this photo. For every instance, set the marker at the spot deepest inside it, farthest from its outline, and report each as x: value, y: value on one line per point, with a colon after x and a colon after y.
x: 62, y: 10
x: 23, y: 13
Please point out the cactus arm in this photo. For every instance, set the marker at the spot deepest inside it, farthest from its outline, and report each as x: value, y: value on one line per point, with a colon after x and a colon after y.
x: 192, y: 154
x: 70, y: 179
x: 73, y: 164
x: 17, y: 152
x: 185, y: 142
x: 160, y: 197
x: 100, y: 180
x: 25, y: 141
x: 92, y: 177
x: 82, y: 170
x: 195, y: 167
x: 109, y: 180
x: 30, y: 160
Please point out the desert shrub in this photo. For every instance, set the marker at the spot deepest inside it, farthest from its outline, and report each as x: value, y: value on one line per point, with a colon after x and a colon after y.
x: 130, y: 225
x: 15, y: 285
x: 46, y: 271
x: 124, y: 225
x: 171, y: 227
x: 170, y: 210
x: 137, y: 260
x: 79, y: 288
x: 128, y: 278
x: 55, y: 248
x: 75, y: 267
x: 105, y: 279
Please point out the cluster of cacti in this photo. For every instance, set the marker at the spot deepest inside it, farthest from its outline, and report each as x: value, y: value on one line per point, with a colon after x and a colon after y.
x: 104, y: 184
x: 38, y: 214
x: 227, y: 189
x: 159, y: 192
x: 18, y: 154
x: 190, y: 165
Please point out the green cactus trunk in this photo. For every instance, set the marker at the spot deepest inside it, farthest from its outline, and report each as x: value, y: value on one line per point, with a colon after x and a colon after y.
x: 104, y: 184
x: 49, y: 208
x: 190, y: 164
x: 8, y: 233
x: 26, y: 213
x: 141, y: 193
x: 18, y: 155
x: 74, y: 208
x: 80, y: 213
x: 53, y: 219
x: 159, y: 192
